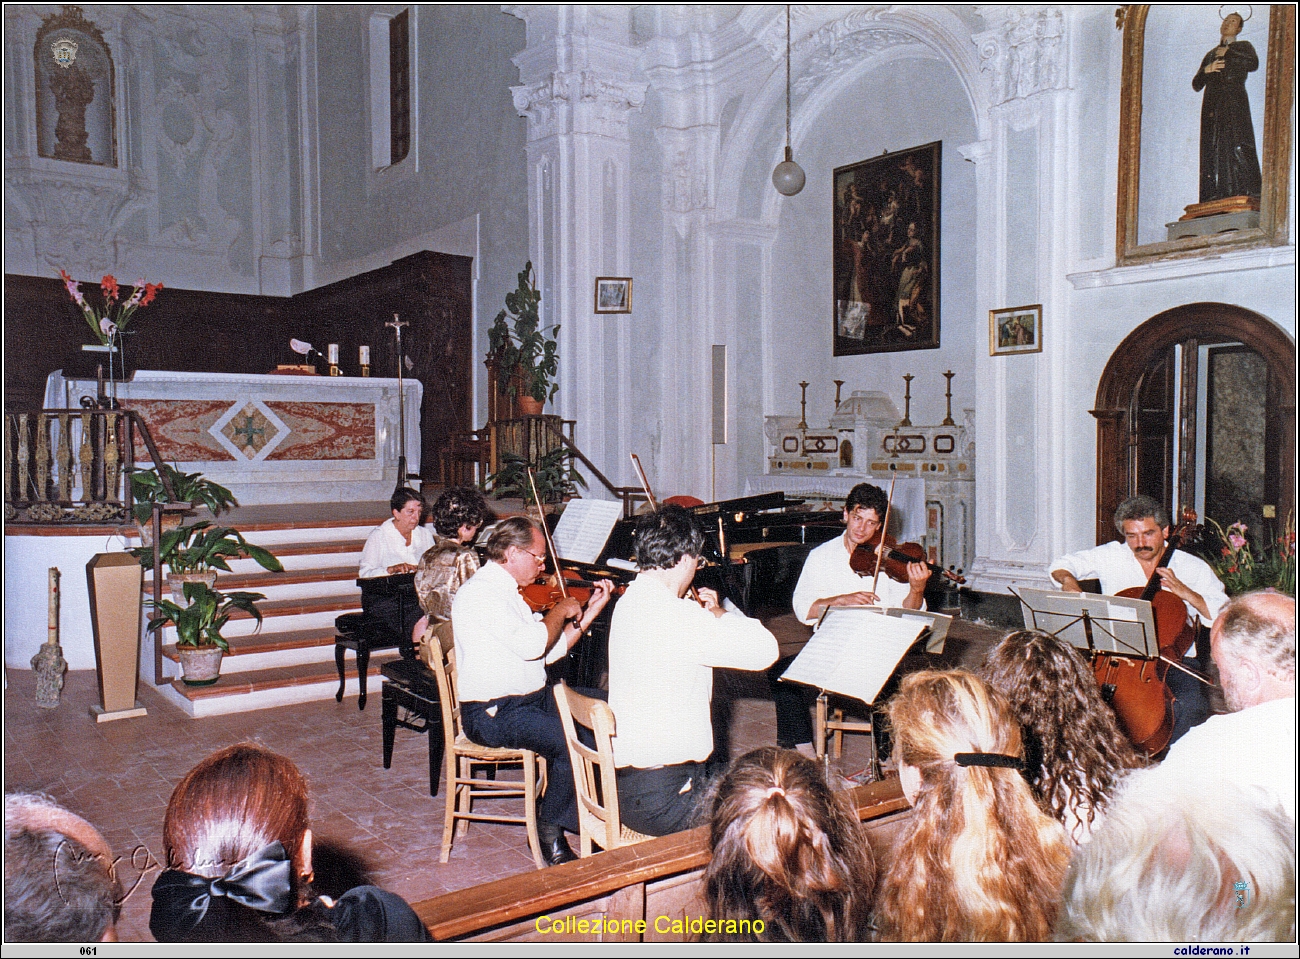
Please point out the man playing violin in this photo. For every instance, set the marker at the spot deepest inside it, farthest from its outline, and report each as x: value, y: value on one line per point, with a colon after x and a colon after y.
x: 502, y: 650
x: 828, y: 578
x: 1144, y: 524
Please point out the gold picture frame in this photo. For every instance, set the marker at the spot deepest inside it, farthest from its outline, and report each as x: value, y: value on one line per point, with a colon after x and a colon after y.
x: 613, y: 294
x: 1016, y: 329
x: 1275, y: 146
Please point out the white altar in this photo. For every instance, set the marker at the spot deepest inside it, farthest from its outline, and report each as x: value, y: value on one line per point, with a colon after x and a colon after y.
x: 269, y: 438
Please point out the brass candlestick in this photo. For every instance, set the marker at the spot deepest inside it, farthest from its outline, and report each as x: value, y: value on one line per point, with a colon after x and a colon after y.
x: 907, y: 400
x: 803, y: 405
x: 838, y: 384
x: 948, y: 420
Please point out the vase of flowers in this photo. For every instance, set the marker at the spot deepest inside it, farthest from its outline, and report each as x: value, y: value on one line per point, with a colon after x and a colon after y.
x: 1248, y: 561
x: 109, y: 319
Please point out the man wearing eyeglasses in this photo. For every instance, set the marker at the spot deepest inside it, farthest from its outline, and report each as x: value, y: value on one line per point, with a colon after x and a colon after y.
x: 502, y: 651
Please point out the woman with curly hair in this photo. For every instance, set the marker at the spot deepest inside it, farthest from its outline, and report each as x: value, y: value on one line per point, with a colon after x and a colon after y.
x: 458, y: 515
x: 983, y: 863
x: 239, y: 863
x: 1076, y: 752
x: 790, y: 859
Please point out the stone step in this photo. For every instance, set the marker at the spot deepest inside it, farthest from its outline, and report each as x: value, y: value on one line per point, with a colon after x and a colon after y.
x: 289, y: 585
x: 245, y: 691
x: 268, y: 651
x: 288, y: 615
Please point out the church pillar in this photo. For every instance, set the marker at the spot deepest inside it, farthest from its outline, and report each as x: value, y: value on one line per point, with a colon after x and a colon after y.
x: 1023, y: 207
x: 579, y: 209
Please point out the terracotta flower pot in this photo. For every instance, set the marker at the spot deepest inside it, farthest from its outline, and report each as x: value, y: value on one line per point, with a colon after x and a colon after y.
x: 529, y: 406
x: 200, y: 665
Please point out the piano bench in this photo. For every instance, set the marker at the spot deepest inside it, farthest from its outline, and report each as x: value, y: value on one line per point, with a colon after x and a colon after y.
x: 362, y: 634
x: 410, y: 700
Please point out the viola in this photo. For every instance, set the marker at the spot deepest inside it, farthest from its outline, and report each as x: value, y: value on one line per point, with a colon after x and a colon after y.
x: 896, y: 557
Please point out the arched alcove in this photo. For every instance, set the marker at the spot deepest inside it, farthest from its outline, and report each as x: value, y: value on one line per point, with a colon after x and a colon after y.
x: 1151, y: 409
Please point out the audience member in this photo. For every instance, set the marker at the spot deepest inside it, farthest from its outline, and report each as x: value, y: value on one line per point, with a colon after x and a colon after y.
x: 60, y: 884
x: 1253, y: 644
x: 238, y: 852
x: 787, y: 853
x: 1175, y: 863
x: 982, y: 863
x: 1075, y: 752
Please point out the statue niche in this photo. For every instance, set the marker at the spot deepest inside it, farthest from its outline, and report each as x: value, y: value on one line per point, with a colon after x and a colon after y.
x: 75, y: 95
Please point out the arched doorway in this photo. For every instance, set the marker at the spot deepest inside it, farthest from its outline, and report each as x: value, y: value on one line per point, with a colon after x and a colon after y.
x: 1196, y: 407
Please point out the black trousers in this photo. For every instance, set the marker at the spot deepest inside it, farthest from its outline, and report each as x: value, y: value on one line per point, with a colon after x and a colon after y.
x: 792, y: 701
x: 658, y: 802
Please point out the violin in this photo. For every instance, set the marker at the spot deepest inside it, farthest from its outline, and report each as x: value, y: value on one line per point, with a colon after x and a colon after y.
x: 542, y: 595
x: 896, y: 557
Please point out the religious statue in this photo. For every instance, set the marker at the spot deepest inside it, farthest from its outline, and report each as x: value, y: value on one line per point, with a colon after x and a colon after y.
x: 1229, y: 164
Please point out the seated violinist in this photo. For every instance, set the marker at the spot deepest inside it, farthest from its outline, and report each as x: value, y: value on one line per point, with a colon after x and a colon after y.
x: 1144, y: 524
x: 828, y: 579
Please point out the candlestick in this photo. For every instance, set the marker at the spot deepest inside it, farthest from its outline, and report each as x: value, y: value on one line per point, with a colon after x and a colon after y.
x: 333, y: 351
x: 948, y: 420
x: 48, y: 664
x: 803, y: 405
x: 907, y: 400
x: 838, y: 384
x: 365, y: 360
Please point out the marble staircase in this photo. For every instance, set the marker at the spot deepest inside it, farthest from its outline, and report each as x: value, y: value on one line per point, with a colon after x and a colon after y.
x: 290, y: 659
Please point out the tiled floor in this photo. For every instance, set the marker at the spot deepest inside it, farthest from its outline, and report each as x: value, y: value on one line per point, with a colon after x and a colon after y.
x: 380, y: 821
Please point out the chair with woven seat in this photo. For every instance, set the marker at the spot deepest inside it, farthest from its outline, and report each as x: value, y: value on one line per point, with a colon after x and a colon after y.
x: 464, y: 757
x: 599, y: 822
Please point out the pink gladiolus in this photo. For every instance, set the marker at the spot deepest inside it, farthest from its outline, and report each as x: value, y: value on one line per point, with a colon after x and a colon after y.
x: 1236, y: 540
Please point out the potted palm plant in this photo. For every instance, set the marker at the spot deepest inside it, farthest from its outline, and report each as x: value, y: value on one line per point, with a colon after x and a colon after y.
x: 199, y: 642
x: 522, y: 353
x: 147, y: 488
x: 194, y: 552
x: 554, y: 473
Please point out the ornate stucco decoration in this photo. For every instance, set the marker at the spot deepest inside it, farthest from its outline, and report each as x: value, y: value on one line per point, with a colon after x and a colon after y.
x: 1025, y: 55
x: 583, y: 101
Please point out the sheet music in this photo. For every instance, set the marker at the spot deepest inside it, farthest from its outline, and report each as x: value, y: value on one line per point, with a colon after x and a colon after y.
x: 584, y: 527
x: 1119, y: 624
x: 937, y: 623
x: 854, y: 652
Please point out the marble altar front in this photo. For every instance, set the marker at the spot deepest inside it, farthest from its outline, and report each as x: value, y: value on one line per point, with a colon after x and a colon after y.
x: 270, y: 439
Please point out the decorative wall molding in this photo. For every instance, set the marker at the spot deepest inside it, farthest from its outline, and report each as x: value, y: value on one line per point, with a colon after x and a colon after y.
x: 581, y: 101
x: 842, y: 44
x: 1230, y: 261
x: 1025, y: 55
x: 689, y: 159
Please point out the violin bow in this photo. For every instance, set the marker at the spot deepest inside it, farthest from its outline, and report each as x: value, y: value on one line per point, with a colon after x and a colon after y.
x: 654, y: 507
x: 546, y: 534
x: 884, y: 529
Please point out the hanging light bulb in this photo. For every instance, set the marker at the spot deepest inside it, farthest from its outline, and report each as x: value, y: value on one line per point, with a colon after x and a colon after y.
x: 788, y: 177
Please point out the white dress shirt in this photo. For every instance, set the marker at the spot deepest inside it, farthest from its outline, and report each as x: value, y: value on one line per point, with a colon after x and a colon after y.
x: 1117, y: 568
x: 1254, y: 747
x: 826, y: 573
x: 662, y: 650
x: 500, y: 642
x: 387, y: 547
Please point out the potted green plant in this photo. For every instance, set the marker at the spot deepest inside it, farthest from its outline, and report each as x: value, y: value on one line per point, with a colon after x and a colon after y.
x: 147, y: 488
x: 199, y: 642
x: 194, y: 552
x: 554, y: 473
x: 524, y: 356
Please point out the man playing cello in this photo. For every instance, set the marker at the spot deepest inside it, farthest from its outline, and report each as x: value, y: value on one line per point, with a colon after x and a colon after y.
x: 1144, y: 524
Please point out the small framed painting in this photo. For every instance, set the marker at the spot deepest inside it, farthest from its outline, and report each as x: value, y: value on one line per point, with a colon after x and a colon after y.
x: 1017, y: 329
x: 613, y: 294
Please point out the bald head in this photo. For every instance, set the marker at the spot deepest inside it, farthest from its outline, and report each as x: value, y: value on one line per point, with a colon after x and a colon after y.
x: 1253, y: 644
x: 59, y: 880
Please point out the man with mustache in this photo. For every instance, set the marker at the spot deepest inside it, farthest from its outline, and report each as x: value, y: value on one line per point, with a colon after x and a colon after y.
x: 1144, y: 524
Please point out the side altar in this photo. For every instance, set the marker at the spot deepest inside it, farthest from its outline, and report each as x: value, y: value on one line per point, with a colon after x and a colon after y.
x: 867, y: 439
x: 269, y: 438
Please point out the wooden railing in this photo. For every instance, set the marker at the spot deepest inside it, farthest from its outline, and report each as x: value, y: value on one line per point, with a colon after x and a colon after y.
x: 72, y: 466
x: 653, y: 883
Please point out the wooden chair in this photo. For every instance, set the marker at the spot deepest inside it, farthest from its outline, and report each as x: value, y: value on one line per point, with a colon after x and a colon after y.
x: 464, y: 756
x: 593, y: 771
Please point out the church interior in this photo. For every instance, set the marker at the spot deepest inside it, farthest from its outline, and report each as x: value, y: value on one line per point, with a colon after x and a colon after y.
x: 1030, y: 314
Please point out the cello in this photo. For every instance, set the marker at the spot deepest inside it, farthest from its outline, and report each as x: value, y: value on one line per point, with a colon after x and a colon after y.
x: 1135, y: 685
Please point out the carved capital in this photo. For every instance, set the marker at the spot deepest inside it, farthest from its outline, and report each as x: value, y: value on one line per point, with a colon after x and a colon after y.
x: 582, y: 101
x: 1025, y: 55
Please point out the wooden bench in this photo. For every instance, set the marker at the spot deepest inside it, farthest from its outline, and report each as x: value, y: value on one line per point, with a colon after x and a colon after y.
x: 650, y: 891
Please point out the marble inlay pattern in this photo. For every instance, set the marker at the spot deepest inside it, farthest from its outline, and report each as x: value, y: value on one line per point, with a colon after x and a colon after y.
x: 325, y: 431
x: 250, y: 430
x: 180, y: 428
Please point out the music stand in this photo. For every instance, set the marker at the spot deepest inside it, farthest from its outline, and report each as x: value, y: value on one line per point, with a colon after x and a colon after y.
x: 1099, y: 624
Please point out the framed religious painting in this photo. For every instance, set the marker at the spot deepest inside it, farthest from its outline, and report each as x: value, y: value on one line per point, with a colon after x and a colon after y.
x: 1016, y: 329
x: 886, y: 252
x: 1205, y: 129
